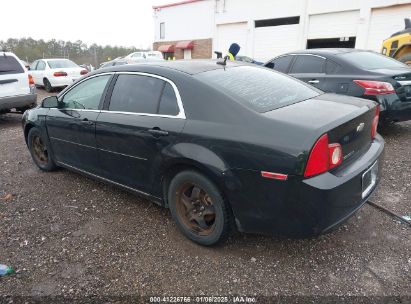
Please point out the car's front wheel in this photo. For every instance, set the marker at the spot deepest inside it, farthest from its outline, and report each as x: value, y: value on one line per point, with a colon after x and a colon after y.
x: 40, y: 151
x: 199, y: 209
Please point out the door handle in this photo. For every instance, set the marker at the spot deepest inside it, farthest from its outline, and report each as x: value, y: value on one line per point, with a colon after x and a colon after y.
x: 313, y: 81
x: 157, y: 132
x: 85, y: 121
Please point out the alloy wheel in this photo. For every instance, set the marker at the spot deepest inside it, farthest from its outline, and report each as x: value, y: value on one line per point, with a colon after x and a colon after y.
x: 195, y: 209
x: 40, y: 150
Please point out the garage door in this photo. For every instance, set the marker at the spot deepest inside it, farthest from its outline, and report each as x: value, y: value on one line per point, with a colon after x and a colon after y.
x: 275, y: 40
x: 230, y: 33
x: 384, y: 22
x: 333, y: 25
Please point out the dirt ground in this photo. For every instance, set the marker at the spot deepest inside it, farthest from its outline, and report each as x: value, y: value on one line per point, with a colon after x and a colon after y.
x: 67, y: 235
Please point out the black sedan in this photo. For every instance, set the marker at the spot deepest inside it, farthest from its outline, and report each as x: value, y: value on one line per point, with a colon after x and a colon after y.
x: 223, y: 146
x: 356, y: 73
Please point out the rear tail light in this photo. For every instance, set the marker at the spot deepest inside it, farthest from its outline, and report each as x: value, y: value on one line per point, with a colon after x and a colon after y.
x: 323, y: 157
x: 83, y: 72
x: 375, y: 87
x: 59, y: 74
x: 375, y: 122
x: 31, y: 81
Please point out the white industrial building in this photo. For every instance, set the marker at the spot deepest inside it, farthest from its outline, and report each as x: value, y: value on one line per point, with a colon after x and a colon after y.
x: 266, y: 28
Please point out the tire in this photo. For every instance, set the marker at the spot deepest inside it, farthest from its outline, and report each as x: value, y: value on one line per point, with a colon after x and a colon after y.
x: 35, y: 143
x: 201, y: 214
x: 405, y: 58
x: 47, y: 85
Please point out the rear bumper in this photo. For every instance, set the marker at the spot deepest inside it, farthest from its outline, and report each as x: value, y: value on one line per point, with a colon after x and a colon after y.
x: 19, y: 101
x: 303, y: 207
x: 393, y: 109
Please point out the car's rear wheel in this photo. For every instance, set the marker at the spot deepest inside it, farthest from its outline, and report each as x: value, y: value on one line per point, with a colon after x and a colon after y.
x: 47, y: 85
x: 199, y: 209
x: 39, y: 151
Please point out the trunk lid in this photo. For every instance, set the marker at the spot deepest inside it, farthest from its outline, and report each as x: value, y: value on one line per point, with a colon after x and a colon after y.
x: 347, y: 121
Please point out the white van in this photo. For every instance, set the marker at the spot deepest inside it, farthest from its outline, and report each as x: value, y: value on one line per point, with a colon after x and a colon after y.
x: 17, y: 90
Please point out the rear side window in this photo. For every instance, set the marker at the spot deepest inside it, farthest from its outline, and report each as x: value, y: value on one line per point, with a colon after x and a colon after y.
x: 308, y: 64
x: 136, y: 93
x: 259, y: 89
x: 331, y: 67
x: 9, y: 65
x: 168, y: 102
x: 281, y: 64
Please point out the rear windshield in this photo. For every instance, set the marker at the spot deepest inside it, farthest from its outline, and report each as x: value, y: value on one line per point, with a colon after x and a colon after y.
x: 9, y: 65
x: 61, y: 64
x: 371, y: 61
x: 260, y: 89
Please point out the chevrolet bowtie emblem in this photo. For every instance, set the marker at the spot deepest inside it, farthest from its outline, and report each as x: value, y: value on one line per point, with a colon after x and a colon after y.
x: 360, y: 127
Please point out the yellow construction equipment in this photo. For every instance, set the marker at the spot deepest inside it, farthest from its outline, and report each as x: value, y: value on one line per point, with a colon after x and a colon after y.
x: 398, y: 46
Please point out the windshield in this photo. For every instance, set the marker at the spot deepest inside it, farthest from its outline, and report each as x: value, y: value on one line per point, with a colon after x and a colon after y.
x: 61, y: 64
x: 260, y: 89
x: 371, y: 61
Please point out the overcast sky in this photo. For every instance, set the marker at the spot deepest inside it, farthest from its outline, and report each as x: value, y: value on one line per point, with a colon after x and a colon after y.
x: 119, y: 22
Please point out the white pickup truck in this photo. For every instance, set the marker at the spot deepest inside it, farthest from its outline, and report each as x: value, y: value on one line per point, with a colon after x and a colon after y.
x: 17, y: 89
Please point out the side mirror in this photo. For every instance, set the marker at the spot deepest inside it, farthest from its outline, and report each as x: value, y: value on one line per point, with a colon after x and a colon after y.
x: 270, y: 65
x: 28, y: 68
x: 50, y: 102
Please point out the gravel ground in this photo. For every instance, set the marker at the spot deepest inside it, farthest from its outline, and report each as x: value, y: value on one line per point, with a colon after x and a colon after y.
x: 67, y: 235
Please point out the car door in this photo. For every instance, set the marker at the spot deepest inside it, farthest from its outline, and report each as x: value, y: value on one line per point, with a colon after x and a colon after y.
x: 39, y: 72
x: 34, y: 73
x: 142, y: 118
x: 71, y: 126
x: 310, y: 69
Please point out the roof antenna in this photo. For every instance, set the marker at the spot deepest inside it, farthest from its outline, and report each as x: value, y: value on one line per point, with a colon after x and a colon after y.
x: 224, y: 62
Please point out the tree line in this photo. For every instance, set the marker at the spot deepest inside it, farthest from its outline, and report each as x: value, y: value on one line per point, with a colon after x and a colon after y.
x: 29, y: 49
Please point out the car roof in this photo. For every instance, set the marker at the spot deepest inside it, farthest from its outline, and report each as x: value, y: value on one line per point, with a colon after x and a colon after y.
x: 53, y: 59
x: 326, y: 51
x: 186, y: 66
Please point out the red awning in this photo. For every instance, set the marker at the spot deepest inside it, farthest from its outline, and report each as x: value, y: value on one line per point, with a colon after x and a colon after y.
x: 166, y: 48
x: 185, y: 45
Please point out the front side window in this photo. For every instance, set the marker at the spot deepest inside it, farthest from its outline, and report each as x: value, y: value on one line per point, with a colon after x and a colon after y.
x: 86, y: 95
x: 136, y: 94
x: 41, y: 65
x: 281, y: 64
x: 33, y: 66
x: 308, y: 64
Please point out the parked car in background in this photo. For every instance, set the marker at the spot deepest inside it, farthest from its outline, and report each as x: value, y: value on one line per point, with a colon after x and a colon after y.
x: 247, y: 59
x: 112, y: 63
x: 137, y: 57
x: 17, y: 90
x: 55, y: 73
x: 356, y: 73
x: 220, y: 145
